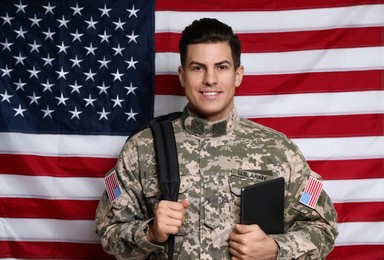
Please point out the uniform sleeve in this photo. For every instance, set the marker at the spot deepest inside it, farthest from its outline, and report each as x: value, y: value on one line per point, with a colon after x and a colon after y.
x: 122, y: 224
x: 309, y: 233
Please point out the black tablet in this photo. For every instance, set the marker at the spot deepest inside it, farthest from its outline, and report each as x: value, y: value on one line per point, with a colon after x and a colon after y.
x: 263, y: 204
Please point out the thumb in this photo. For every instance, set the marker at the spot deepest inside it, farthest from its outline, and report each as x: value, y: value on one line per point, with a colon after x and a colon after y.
x: 185, y: 203
x: 242, y: 229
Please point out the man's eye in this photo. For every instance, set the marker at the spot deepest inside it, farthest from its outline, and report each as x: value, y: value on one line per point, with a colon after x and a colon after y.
x: 223, y: 67
x: 197, y: 68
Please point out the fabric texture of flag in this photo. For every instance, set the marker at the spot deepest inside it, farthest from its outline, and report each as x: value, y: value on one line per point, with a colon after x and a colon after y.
x: 77, y: 77
x: 311, y: 193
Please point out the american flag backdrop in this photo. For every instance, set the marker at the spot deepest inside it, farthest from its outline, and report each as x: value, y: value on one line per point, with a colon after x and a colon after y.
x: 77, y: 77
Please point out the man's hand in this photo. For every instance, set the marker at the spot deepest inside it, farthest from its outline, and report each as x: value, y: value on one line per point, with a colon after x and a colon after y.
x: 250, y: 242
x: 169, y: 217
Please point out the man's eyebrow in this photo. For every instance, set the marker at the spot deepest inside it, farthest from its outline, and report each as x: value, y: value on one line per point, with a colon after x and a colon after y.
x: 217, y: 63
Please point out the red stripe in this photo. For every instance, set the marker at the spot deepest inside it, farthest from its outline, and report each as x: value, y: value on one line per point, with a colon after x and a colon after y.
x: 349, y: 169
x: 52, y: 250
x: 357, y: 252
x: 289, y: 83
x: 43, y: 208
x: 84, y: 210
x: 248, y: 5
x: 326, y: 126
x: 35, y: 165
x: 360, y: 211
x: 291, y: 41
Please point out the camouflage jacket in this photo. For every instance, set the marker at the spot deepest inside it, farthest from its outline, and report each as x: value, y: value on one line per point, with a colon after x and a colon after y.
x: 216, y: 159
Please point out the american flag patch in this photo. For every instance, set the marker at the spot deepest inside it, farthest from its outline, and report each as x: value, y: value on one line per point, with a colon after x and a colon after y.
x: 112, y: 186
x: 311, y: 193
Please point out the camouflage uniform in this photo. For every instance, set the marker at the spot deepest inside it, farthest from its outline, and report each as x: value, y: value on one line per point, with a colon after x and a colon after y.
x: 216, y: 159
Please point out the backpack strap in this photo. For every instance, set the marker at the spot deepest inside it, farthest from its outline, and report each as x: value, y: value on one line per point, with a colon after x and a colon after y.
x: 166, y: 161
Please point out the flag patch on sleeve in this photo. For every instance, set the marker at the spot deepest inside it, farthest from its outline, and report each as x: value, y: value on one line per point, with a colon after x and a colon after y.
x: 112, y: 186
x: 311, y: 193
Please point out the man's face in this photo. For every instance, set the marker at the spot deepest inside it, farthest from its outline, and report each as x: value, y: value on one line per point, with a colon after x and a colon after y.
x: 210, y: 79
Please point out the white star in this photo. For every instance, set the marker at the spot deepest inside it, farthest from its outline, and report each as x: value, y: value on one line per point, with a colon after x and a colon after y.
x: 47, y: 86
x: 91, y: 23
x: 90, y: 49
x: 35, y: 21
x: 20, y: 33
x: 103, y: 88
x: 103, y: 114
x: 48, y: 60
x: 35, y: 46
x: 131, y: 63
x: 62, y: 99
x: 118, y: 50
x: 117, y: 101
x: 76, y: 87
x: 131, y: 89
x: 104, y: 63
x: 76, y: 36
x: 89, y: 100
x: 119, y: 24
x: 133, y: 11
x: 62, y: 48
x: 34, y: 72
x: 62, y: 73
x: 19, y: 111
x: 131, y: 115
x: 34, y: 98
x: 104, y: 11
x: 19, y: 59
x: 49, y: 34
x: 75, y: 113
x: 117, y: 75
x: 76, y: 62
x: 20, y: 85
x: 6, y: 45
x: 104, y: 37
x: 6, y: 71
x: 49, y: 8
x: 7, y: 19
x: 6, y: 97
x: 132, y: 37
x: 47, y: 112
x: 89, y: 75
x: 20, y: 7
x: 63, y: 22
x: 77, y: 9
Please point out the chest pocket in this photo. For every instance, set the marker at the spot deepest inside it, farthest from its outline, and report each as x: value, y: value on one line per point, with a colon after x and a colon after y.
x: 151, y: 188
x: 241, y: 178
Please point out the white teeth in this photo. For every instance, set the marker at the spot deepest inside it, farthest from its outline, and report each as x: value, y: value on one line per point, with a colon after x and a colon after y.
x: 210, y: 93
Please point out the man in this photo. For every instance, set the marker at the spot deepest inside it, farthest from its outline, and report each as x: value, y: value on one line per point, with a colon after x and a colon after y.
x: 218, y: 153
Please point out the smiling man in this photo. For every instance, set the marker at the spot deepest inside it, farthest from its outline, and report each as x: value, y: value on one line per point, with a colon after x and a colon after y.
x: 218, y: 154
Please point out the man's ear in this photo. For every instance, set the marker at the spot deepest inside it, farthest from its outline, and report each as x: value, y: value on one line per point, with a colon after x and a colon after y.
x: 239, y: 75
x: 181, y: 76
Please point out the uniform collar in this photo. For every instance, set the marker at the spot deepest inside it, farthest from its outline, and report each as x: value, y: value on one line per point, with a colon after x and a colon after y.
x: 206, y: 128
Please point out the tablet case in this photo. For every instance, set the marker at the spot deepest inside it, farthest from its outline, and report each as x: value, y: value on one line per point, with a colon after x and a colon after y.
x: 263, y: 204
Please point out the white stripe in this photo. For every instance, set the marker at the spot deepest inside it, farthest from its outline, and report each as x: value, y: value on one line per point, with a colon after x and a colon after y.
x: 15, y: 186
x: 343, y: 103
x: 347, y: 59
x: 40, y: 230
x: 278, y: 21
x: 312, y: 148
x: 351, y: 233
x: 361, y: 190
x: 63, y: 145
x: 19, y: 186
x: 341, y: 148
x: 360, y: 233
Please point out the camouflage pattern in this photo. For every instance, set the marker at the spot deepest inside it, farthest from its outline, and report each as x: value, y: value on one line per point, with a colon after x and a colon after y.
x: 216, y: 160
